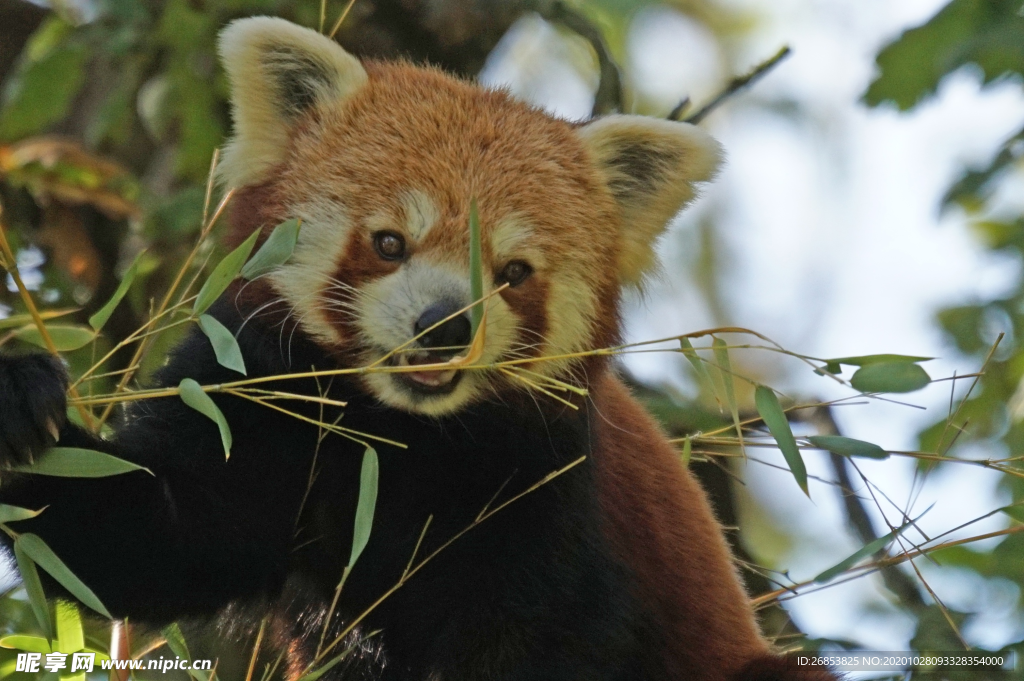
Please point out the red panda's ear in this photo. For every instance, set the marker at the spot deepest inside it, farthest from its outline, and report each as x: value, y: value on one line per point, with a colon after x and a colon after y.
x: 277, y: 71
x: 650, y: 166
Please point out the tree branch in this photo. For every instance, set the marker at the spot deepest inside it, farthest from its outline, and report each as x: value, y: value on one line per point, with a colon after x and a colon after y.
x: 608, y: 98
x: 735, y: 85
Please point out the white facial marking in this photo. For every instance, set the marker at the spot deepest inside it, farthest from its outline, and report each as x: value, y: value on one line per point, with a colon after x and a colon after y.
x: 420, y: 213
x: 386, y: 309
x: 514, y: 238
x: 387, y: 312
x: 309, y: 272
x: 571, y: 307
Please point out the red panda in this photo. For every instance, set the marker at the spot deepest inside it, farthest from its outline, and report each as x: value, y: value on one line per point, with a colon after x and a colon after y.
x: 614, y: 570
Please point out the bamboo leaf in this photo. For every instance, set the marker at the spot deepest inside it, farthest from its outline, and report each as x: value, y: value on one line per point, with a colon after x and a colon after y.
x: 476, y: 268
x: 687, y: 452
x: 194, y: 396
x: 866, y: 360
x: 847, y: 446
x: 100, y: 317
x: 890, y: 377
x: 223, y: 274
x: 70, y: 638
x: 225, y: 346
x: 36, y: 549
x: 12, y: 514
x: 316, y: 674
x: 1015, y: 511
x: 34, y: 588
x: 16, y: 320
x: 176, y: 642
x: 65, y: 337
x: 697, y: 363
x: 29, y: 644
x: 721, y: 350
x: 775, y: 418
x: 74, y: 462
x: 275, y: 251
x: 869, y: 550
x: 368, y: 478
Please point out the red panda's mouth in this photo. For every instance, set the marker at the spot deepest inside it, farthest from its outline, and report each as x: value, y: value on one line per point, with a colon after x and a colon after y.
x: 430, y: 382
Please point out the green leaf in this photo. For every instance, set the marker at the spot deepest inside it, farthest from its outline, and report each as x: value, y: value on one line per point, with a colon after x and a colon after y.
x: 983, y: 32
x: 476, y: 269
x: 867, y: 360
x: 721, y: 350
x: 223, y: 274
x: 965, y: 324
x: 275, y: 251
x: 697, y: 363
x: 65, y: 336
x: 36, y: 549
x: 771, y: 412
x: 368, y: 478
x: 29, y: 644
x: 16, y: 320
x: 225, y: 346
x: 34, y: 588
x: 70, y: 638
x: 194, y: 396
x: 97, y: 320
x: 977, y: 184
x: 890, y: 377
x: 847, y: 446
x: 46, y: 83
x: 687, y: 452
x: 869, y: 550
x: 316, y: 674
x: 74, y: 462
x: 12, y: 514
x: 1015, y: 511
x: 176, y: 642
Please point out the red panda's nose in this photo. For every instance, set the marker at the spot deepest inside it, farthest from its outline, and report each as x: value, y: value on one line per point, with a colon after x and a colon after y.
x: 452, y: 335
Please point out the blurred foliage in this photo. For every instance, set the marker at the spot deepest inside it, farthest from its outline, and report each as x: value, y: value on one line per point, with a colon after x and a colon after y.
x: 983, y: 33
x: 987, y: 37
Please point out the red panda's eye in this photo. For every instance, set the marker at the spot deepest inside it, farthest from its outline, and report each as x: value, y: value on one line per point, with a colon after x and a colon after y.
x: 515, y: 273
x: 389, y: 245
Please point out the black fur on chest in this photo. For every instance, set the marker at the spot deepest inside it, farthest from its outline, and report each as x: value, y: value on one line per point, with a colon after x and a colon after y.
x: 533, y: 576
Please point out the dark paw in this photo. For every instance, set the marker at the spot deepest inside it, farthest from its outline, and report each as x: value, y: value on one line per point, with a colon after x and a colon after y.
x: 32, y: 406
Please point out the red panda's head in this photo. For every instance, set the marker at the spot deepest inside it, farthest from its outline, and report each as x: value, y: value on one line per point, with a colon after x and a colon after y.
x: 381, y: 162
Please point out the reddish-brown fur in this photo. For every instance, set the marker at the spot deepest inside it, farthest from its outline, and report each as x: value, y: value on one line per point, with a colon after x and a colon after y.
x: 396, y: 133
x: 662, y: 526
x: 410, y: 127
